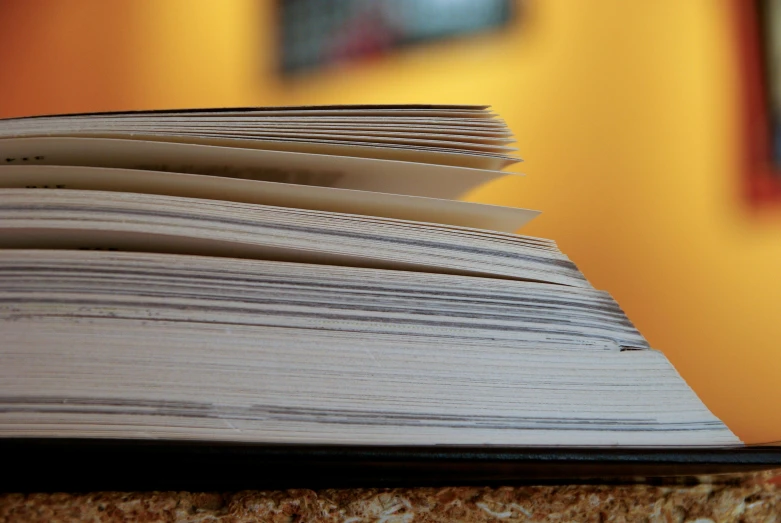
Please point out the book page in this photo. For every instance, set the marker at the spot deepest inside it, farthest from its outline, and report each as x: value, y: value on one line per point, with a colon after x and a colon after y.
x: 405, y: 153
x: 415, y: 208
x: 39, y: 218
x: 343, y: 172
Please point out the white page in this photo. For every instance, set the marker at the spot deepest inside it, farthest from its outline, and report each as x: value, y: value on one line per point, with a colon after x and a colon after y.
x: 47, y: 121
x: 344, y: 172
x: 61, y: 218
x: 243, y: 124
x: 362, y: 134
x: 479, y: 216
x: 142, y: 364
x: 418, y: 154
x: 266, y: 140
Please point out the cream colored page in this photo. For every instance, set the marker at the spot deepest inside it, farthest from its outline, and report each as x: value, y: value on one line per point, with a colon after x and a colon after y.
x: 405, y: 153
x: 415, y: 143
x: 325, y: 127
x: 503, y: 219
x: 155, y: 239
x: 344, y: 172
x: 150, y: 222
x: 373, y: 136
x: 431, y: 136
x: 239, y: 121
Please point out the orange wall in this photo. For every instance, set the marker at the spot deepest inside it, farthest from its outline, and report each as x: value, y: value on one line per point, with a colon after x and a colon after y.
x: 625, y: 112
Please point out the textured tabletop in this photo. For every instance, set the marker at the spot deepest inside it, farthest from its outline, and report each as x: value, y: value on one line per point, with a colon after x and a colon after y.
x: 744, y: 498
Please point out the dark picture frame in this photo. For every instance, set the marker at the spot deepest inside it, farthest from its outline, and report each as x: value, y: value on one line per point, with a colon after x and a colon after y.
x: 316, y: 35
x: 760, y: 105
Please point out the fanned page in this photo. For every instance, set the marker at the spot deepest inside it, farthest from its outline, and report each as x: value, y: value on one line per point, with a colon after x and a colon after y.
x: 480, y: 141
x: 314, y: 197
x: 323, y: 156
x: 74, y: 219
x: 343, y: 172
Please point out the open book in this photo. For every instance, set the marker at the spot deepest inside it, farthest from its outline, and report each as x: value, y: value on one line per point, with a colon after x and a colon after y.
x: 305, y: 275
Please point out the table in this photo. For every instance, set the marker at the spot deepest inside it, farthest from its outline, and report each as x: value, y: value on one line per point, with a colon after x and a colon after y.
x: 751, y: 497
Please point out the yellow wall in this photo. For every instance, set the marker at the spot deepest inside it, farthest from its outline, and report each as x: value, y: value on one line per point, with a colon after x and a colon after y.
x: 625, y: 112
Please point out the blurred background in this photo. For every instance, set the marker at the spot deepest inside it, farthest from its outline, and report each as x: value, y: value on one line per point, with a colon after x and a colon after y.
x: 647, y: 130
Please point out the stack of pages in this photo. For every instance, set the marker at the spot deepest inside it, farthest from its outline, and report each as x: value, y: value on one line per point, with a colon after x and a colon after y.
x: 304, y: 275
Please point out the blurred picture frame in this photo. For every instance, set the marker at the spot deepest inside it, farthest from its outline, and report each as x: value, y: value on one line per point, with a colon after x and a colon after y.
x: 316, y: 35
x: 758, y: 25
